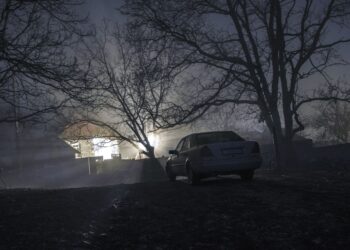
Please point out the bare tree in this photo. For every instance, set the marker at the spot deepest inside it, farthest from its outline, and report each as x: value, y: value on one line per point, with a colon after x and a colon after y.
x: 37, y: 63
x: 129, y: 83
x: 332, y: 122
x: 227, y: 117
x: 260, y: 53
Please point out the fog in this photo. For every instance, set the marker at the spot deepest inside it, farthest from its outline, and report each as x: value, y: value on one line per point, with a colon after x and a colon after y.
x: 40, y: 157
x: 106, y: 81
x: 174, y: 124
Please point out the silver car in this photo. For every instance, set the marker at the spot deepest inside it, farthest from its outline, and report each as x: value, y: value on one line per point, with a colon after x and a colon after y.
x: 213, y: 153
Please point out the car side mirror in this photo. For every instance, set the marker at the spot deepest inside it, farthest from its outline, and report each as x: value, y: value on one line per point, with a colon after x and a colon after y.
x: 173, y: 152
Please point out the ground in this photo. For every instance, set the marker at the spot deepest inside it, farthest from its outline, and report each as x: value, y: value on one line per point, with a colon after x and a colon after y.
x: 300, y: 210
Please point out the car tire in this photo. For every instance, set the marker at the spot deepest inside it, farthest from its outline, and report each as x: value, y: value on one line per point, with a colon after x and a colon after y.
x: 170, y: 174
x: 192, y: 177
x: 247, y: 175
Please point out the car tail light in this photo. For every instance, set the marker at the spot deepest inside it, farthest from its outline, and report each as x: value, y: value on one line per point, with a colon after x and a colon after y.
x: 256, y: 149
x: 206, y: 152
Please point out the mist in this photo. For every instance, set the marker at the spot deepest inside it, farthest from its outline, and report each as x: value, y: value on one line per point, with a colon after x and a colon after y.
x: 174, y: 124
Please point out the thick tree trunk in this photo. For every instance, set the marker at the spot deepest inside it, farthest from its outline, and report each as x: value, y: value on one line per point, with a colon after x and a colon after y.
x: 149, y: 152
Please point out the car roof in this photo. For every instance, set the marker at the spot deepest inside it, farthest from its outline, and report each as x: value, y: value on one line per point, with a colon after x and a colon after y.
x: 209, y: 132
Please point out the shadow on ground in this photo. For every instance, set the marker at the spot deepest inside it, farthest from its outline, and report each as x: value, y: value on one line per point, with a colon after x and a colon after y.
x: 291, y: 211
x: 272, y: 212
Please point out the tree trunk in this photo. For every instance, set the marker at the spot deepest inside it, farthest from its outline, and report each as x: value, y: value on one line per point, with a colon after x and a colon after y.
x: 286, y: 156
x: 149, y: 152
x: 18, y: 147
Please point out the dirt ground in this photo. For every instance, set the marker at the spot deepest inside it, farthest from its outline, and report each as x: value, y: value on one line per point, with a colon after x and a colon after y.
x: 291, y: 211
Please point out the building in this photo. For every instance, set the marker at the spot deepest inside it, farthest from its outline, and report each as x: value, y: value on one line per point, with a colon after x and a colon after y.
x: 91, y: 141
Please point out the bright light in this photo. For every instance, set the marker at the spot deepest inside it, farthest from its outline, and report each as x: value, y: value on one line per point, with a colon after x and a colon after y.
x: 104, y: 148
x: 153, y: 140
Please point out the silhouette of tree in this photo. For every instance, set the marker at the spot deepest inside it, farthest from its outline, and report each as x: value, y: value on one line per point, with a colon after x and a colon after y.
x: 128, y: 87
x: 37, y: 63
x: 258, y: 53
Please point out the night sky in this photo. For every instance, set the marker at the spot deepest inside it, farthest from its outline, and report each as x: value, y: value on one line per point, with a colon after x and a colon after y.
x: 107, y: 9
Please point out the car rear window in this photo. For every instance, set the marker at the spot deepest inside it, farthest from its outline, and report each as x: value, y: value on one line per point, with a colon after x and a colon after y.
x: 216, y: 137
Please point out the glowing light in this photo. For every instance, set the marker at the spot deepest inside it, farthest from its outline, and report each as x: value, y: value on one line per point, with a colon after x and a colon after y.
x: 104, y: 148
x: 153, y: 139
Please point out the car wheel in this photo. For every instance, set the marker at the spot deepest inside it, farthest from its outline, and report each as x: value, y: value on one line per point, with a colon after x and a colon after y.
x: 192, y: 178
x: 247, y: 175
x: 170, y: 174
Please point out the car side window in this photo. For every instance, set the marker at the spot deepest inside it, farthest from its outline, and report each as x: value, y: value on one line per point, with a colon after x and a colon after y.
x: 179, y: 146
x: 192, y: 141
x: 186, y: 145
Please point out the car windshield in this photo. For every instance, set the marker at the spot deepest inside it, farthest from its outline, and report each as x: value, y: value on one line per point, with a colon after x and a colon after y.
x: 209, y: 138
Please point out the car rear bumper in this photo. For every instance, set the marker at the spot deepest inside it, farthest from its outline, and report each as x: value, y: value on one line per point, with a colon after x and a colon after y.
x: 227, y: 166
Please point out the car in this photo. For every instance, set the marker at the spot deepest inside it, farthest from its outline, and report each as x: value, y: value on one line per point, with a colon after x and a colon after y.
x: 208, y: 154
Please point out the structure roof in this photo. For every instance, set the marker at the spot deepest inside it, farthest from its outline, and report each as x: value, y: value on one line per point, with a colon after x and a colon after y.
x: 85, y: 130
